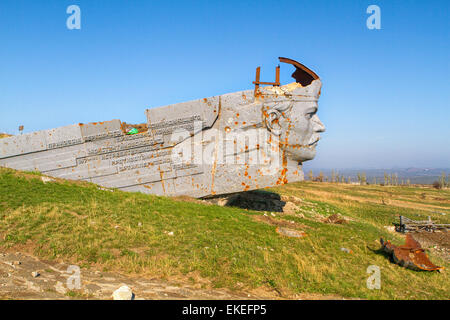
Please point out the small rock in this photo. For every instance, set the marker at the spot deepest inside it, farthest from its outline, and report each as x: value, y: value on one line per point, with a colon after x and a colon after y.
x: 59, y: 287
x: 47, y: 179
x: 105, y: 189
x: 35, y: 274
x: 290, y: 232
x: 222, y: 202
x: 123, y: 293
x: 292, y: 199
x: 346, y: 250
x: 290, y: 208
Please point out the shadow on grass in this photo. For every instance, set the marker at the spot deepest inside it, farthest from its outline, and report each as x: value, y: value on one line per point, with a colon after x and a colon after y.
x: 381, y: 252
x: 256, y: 200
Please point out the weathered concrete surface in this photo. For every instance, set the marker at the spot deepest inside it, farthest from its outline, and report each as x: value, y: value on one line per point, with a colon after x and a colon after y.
x: 230, y: 143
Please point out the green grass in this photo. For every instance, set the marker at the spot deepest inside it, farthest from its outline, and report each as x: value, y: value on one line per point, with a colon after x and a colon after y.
x: 129, y: 232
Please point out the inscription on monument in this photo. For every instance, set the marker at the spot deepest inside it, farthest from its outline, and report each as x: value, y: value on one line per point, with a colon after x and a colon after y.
x: 65, y: 143
x: 167, y: 127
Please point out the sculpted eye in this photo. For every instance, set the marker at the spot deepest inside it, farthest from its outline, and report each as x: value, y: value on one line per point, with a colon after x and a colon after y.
x: 309, y: 115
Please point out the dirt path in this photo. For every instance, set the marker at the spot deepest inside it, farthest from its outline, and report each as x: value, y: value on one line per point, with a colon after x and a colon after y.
x: 17, y: 282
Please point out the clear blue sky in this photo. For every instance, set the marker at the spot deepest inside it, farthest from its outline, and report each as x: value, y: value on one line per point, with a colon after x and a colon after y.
x: 385, y: 96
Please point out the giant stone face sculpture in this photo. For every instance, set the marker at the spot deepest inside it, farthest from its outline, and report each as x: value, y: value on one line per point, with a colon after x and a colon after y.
x: 219, y: 145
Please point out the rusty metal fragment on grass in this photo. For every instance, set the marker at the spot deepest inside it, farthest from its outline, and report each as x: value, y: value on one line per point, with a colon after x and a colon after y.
x: 411, y: 255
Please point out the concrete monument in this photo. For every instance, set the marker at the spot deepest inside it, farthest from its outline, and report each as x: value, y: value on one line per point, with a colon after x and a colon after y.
x: 219, y: 145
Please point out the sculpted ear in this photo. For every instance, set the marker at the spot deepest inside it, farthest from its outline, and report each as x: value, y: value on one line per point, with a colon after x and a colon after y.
x: 272, y: 121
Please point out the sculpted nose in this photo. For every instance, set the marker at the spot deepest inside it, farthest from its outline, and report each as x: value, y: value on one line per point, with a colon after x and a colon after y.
x: 318, y: 125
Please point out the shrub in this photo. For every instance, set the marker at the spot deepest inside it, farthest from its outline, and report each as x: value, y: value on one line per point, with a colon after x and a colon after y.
x: 437, y: 185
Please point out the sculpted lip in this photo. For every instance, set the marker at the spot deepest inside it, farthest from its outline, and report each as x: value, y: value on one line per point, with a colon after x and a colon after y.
x: 294, y: 146
x: 314, y: 142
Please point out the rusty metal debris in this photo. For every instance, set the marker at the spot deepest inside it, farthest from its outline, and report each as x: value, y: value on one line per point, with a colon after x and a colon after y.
x: 411, y: 255
x: 409, y: 225
x: 302, y: 74
x: 257, y: 81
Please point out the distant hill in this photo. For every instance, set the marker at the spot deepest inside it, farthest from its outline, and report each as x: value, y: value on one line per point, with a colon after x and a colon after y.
x: 414, y: 175
x: 4, y: 135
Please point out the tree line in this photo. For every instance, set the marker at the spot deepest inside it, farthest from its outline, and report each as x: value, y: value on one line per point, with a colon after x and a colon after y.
x: 361, y: 178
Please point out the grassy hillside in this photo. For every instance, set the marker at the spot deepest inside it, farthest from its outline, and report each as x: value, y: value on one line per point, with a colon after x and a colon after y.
x: 223, y: 246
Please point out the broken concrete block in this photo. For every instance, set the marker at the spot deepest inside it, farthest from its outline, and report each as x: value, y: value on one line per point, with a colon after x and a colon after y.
x: 292, y: 233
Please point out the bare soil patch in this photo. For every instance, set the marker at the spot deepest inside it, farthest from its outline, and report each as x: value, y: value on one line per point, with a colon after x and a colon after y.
x: 437, y: 242
x: 279, y: 222
x: 17, y: 282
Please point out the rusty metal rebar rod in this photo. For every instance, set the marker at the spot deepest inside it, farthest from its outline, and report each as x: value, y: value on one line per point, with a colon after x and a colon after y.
x: 257, y: 81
